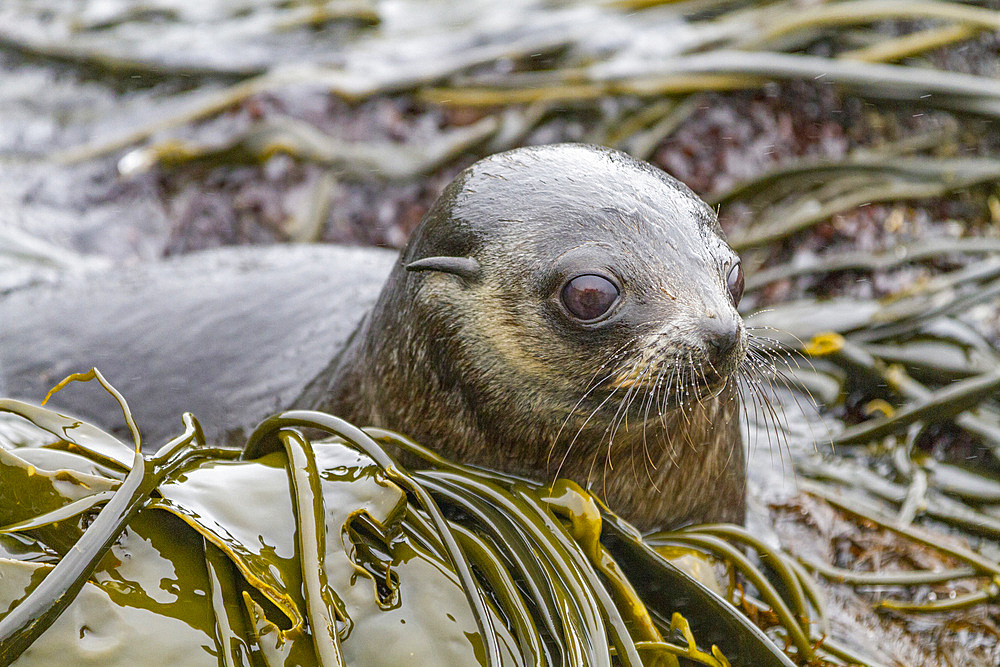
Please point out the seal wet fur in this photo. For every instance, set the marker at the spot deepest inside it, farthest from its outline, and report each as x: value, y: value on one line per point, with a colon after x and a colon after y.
x: 472, y: 347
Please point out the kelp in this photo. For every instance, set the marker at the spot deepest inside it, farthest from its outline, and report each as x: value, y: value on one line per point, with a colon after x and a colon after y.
x: 457, y: 58
x: 822, y: 188
x: 289, y: 136
x: 325, y: 550
x: 910, y: 372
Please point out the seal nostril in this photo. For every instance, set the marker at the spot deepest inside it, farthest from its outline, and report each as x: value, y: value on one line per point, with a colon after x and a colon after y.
x: 722, y: 336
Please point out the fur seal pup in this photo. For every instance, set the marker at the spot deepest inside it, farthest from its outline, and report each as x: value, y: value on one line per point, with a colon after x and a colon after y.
x: 561, y: 309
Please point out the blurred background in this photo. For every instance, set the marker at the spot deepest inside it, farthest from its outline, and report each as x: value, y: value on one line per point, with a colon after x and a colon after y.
x: 851, y: 148
x: 134, y: 130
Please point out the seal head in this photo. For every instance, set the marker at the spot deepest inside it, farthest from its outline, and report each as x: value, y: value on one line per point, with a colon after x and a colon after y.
x: 563, y: 310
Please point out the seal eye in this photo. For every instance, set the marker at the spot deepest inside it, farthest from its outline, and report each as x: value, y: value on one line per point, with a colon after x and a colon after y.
x: 588, y: 297
x: 734, y: 281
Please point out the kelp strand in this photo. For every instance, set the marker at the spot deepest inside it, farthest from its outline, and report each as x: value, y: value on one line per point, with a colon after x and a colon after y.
x: 964, y: 601
x: 323, y: 606
x: 230, y: 622
x: 884, y: 578
x: 490, y: 564
x: 566, y: 499
x: 868, y: 11
x: 770, y: 558
x: 943, y: 404
x: 915, y: 533
x: 33, y: 615
x: 94, y: 374
x: 710, y: 616
x: 636, y: 561
x: 67, y: 511
x: 930, y: 503
x: 574, y: 616
x: 906, y: 46
x: 262, y: 440
x: 714, y: 545
x: 867, y: 261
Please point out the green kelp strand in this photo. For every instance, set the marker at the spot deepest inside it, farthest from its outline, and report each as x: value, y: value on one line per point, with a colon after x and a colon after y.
x: 964, y: 601
x: 544, y: 583
x: 925, y: 311
x: 723, y: 550
x: 521, y: 559
x: 49, y: 599
x: 812, y: 592
x: 33, y: 616
x: 262, y: 441
x: 67, y: 511
x: 489, y: 563
x: 538, y: 584
x: 231, y: 631
x: 664, y: 649
x: 178, y: 447
x: 566, y: 499
x: 563, y: 554
x: 323, y: 608
x: 421, y: 529
x: 622, y: 639
x: 679, y: 624
x: 881, y: 578
x: 767, y: 555
x: 883, y: 161
x: 835, y: 648
x: 867, y: 261
x: 868, y: 11
x: 90, y: 439
x: 805, y: 214
x: 988, y: 430
x: 915, y: 533
x: 932, y: 504
x: 943, y: 404
x: 94, y: 374
x: 937, y: 361
x: 437, y: 461
x: 304, y: 142
x: 665, y: 589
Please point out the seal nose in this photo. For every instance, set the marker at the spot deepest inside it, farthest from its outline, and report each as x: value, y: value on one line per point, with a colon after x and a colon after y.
x: 722, y: 334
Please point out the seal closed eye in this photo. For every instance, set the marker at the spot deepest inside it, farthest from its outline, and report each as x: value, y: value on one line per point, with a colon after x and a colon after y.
x: 561, y: 310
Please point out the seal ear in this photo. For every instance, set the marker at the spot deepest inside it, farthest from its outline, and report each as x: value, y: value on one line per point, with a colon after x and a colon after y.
x: 466, y: 268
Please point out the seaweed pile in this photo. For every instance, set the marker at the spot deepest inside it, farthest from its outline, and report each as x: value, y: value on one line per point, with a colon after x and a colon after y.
x: 911, y: 463
x: 274, y: 121
x: 850, y: 147
x: 334, y: 555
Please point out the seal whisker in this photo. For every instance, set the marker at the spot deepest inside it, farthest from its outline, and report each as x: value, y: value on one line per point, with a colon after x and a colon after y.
x: 663, y: 393
x: 779, y: 346
x: 589, y: 417
x: 742, y: 387
x: 748, y: 372
x: 649, y: 371
x: 635, y: 383
x: 770, y: 417
x: 621, y: 414
x: 650, y: 400
x: 783, y: 354
x: 593, y: 386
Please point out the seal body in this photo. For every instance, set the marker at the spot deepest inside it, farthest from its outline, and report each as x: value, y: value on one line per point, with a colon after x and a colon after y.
x: 231, y: 335
x: 560, y: 311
